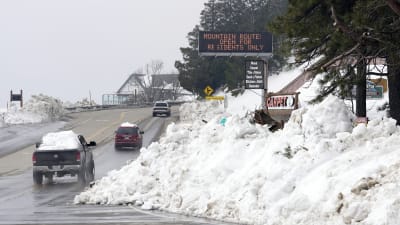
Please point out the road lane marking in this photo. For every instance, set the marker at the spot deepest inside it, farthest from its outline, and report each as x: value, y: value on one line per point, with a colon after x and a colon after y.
x: 121, y: 117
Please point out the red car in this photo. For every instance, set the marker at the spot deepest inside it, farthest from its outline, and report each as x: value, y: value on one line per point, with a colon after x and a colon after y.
x: 128, y: 135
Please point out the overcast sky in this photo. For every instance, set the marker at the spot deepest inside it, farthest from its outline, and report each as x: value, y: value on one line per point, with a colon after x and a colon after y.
x: 66, y: 48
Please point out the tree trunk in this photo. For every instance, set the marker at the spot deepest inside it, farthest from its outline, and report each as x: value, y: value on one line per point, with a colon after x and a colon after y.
x: 394, y: 88
x: 361, y: 91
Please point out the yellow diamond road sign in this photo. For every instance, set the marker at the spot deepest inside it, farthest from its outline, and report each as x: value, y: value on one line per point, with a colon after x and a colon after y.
x: 208, y: 90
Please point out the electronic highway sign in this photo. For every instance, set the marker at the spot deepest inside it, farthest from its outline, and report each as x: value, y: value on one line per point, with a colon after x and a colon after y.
x: 256, y: 44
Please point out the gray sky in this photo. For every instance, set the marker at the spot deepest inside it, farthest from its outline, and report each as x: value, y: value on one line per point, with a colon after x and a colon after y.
x: 66, y: 48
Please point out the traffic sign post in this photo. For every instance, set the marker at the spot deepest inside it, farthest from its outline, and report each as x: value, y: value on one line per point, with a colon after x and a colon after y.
x: 265, y: 92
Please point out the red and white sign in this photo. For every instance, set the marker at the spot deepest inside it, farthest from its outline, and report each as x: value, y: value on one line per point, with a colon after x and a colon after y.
x: 281, y: 102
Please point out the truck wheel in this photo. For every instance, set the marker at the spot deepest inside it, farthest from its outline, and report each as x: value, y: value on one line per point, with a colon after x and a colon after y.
x: 50, y: 178
x: 91, y: 172
x: 81, y: 177
x: 37, y: 177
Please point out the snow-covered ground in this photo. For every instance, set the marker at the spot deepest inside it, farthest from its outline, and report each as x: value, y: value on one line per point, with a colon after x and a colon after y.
x: 39, y: 109
x: 20, y: 127
x: 319, y: 169
x: 14, y: 137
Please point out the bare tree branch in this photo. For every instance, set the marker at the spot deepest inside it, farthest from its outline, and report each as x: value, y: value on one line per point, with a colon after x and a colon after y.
x: 339, y: 57
x: 157, y: 66
x: 341, y: 25
x: 394, y: 5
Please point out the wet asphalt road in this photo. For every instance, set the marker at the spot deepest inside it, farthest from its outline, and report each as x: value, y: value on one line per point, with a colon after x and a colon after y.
x: 22, y: 202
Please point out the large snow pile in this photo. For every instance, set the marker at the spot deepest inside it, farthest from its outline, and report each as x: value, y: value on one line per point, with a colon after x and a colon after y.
x: 60, y: 141
x: 40, y: 108
x: 317, y: 170
x: 85, y: 102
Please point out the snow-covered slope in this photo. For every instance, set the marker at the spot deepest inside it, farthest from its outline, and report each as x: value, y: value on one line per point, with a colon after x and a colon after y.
x: 319, y: 169
x: 39, y: 109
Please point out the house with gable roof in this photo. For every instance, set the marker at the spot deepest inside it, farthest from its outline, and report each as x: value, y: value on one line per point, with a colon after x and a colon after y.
x: 131, y: 92
x: 165, y: 86
x: 139, y: 89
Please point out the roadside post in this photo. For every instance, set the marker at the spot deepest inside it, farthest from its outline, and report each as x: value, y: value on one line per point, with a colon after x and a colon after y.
x: 265, y: 83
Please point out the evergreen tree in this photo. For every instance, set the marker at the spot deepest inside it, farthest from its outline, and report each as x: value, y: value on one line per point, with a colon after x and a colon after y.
x: 342, y: 36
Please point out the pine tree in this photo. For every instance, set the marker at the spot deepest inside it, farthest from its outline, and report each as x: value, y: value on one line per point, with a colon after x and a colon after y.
x: 342, y: 36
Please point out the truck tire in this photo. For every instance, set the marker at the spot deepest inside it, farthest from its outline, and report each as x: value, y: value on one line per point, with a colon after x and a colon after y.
x: 37, y: 178
x: 50, y: 178
x: 81, y: 177
x: 91, y: 172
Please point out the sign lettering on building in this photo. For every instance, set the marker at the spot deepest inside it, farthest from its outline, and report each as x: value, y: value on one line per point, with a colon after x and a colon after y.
x: 281, y: 102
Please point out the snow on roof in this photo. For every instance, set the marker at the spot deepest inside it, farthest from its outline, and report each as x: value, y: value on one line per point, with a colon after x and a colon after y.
x: 60, y: 141
x: 128, y: 124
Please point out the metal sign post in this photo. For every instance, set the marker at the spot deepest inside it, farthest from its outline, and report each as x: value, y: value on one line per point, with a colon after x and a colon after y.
x: 265, y: 92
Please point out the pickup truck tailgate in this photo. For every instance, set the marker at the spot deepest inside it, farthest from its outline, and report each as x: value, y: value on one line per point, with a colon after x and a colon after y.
x: 48, y: 158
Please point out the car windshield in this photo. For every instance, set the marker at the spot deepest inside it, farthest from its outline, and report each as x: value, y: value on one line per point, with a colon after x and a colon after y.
x: 161, y: 104
x: 127, y: 130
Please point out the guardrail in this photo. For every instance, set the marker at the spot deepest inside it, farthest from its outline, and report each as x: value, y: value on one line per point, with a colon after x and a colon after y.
x: 105, y: 107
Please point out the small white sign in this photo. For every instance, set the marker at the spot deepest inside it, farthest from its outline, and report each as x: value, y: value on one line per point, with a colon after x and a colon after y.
x: 281, y: 102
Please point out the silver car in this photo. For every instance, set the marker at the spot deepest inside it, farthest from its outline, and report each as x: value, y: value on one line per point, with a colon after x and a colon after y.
x: 161, y: 108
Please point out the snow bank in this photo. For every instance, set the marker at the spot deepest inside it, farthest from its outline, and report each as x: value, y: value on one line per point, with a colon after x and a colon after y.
x: 50, y: 108
x: 40, y: 108
x: 317, y: 170
x: 85, y: 102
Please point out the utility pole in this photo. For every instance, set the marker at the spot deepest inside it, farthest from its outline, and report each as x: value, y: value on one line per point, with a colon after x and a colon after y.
x: 90, y: 98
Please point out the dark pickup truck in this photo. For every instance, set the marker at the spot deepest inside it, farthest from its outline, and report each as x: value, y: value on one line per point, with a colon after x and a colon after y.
x: 63, y: 153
